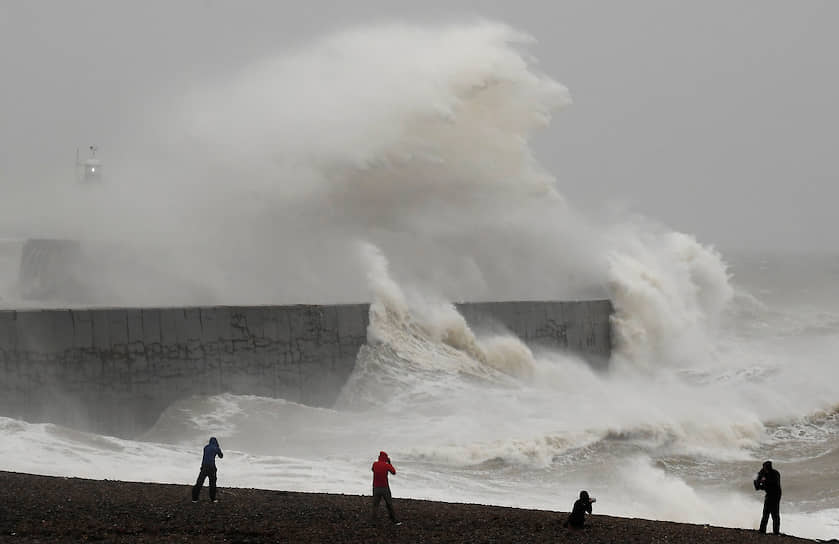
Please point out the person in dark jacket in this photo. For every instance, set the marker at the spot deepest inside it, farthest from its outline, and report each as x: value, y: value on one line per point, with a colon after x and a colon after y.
x: 769, y: 480
x: 577, y: 518
x: 208, y: 470
x: 381, y: 487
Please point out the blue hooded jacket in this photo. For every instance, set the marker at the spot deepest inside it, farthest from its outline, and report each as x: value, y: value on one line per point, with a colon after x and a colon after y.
x: 210, y: 451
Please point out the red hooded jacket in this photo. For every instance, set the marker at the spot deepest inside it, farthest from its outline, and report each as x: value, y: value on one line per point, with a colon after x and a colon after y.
x: 380, y: 470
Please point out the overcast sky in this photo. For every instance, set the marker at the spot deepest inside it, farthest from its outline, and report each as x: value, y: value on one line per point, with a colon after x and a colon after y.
x: 717, y: 118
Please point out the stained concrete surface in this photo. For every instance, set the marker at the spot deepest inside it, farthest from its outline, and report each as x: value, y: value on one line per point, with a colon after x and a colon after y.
x: 115, y: 370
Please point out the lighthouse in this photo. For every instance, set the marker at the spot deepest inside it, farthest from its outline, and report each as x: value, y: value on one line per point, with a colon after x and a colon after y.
x: 90, y: 169
x: 55, y: 268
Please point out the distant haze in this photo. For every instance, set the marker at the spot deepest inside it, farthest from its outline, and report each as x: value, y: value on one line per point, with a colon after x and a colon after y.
x: 249, y: 150
x: 716, y: 118
x: 415, y: 154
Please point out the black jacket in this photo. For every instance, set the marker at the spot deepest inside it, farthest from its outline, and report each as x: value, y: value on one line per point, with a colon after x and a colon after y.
x: 578, y: 512
x: 769, y: 481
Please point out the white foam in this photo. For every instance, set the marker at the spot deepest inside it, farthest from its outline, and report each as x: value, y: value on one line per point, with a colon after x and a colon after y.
x: 415, y: 156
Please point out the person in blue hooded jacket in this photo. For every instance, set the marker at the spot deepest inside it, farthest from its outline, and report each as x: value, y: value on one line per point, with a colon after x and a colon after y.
x: 208, y: 470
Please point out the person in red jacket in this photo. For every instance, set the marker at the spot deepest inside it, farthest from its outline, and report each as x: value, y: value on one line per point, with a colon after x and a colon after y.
x: 381, y: 488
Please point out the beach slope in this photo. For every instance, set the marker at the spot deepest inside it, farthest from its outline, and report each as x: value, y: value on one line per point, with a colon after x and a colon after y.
x: 54, y: 509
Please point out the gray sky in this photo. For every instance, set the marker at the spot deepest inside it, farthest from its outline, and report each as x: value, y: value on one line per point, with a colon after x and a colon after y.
x: 717, y: 118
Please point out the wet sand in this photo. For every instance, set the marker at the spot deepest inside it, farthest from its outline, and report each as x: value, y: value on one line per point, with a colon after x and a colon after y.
x: 50, y: 509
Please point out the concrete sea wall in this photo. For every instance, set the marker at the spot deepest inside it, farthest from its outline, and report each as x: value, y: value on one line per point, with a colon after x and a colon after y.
x: 115, y: 370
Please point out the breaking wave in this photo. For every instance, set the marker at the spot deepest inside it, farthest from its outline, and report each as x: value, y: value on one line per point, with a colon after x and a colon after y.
x: 393, y: 163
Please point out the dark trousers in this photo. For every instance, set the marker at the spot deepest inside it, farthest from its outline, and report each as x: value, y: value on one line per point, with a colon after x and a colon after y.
x: 380, y: 493
x: 206, y: 472
x: 771, y: 506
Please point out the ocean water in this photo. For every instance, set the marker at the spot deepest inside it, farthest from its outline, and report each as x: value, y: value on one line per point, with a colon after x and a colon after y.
x: 468, y: 418
x: 430, y: 193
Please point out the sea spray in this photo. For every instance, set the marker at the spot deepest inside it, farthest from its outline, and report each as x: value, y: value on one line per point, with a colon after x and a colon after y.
x: 669, y: 292
x: 411, y: 333
x: 421, y: 147
x: 415, y: 139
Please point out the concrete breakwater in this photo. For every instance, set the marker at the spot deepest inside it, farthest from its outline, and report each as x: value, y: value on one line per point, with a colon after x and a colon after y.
x: 115, y: 370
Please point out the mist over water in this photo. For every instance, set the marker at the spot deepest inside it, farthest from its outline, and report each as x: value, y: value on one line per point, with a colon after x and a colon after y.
x: 271, y: 174
x: 392, y: 163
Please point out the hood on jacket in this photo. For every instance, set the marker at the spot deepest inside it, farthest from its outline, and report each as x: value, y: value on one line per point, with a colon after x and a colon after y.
x: 584, y: 495
x: 383, y: 457
x: 213, y: 441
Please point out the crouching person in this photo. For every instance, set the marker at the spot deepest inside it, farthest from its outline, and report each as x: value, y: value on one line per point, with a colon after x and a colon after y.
x: 577, y: 518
